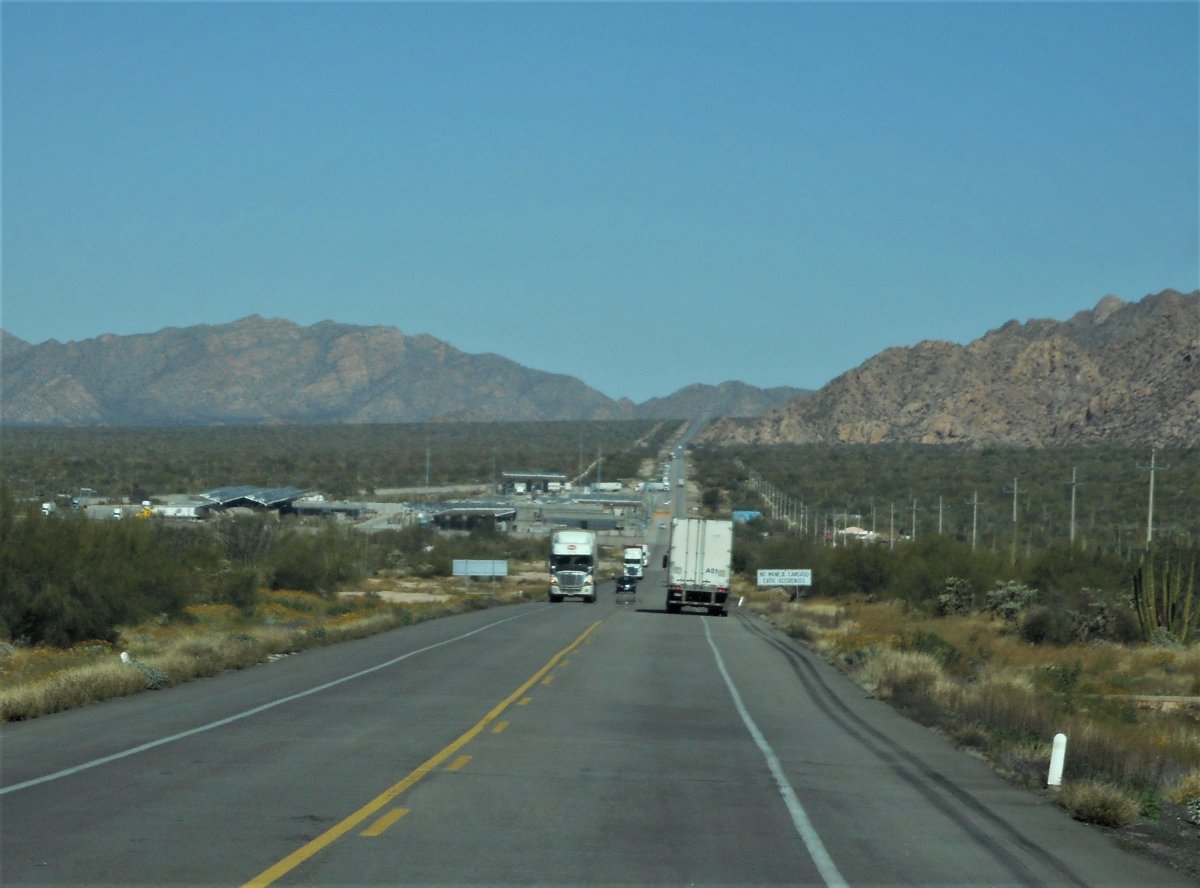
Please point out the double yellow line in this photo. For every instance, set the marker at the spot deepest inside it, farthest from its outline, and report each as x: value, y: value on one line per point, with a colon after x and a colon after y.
x: 297, y: 857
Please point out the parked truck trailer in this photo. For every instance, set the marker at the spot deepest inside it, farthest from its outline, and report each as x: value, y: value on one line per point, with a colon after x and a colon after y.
x: 698, y: 565
x: 573, y: 565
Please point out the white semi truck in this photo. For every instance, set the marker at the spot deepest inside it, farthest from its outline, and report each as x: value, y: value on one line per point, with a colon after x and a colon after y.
x: 633, y: 561
x: 698, y: 565
x: 573, y: 565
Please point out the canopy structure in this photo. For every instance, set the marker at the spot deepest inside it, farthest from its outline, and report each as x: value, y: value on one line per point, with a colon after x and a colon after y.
x: 253, y: 497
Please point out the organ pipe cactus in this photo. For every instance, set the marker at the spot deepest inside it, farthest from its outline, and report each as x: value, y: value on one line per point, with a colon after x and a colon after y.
x: 1165, y: 596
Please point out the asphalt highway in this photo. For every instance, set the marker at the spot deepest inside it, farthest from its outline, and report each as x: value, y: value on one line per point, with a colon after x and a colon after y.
x: 567, y: 744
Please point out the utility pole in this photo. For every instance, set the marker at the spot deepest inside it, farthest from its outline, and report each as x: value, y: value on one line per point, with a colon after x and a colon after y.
x: 914, y: 520
x: 1073, y: 482
x: 1150, y: 509
x: 426, y: 461
x: 974, y: 517
x: 892, y: 532
x: 1013, y: 554
x: 939, y: 516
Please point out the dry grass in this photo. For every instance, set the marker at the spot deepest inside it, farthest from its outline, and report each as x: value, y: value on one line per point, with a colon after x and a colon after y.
x: 208, y: 639
x: 1186, y: 789
x: 976, y: 680
x: 70, y: 687
x: 1095, y: 802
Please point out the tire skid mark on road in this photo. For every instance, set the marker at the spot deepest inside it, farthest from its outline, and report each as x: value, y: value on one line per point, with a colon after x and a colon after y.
x: 800, y: 820
x: 916, y: 773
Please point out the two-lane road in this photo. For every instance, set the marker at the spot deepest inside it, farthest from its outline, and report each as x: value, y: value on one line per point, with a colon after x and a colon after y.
x: 553, y: 744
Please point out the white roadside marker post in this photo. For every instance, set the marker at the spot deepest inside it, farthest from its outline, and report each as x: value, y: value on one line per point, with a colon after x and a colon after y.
x: 1058, y: 755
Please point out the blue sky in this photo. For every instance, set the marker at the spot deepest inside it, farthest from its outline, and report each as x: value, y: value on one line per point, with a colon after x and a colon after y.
x: 640, y: 195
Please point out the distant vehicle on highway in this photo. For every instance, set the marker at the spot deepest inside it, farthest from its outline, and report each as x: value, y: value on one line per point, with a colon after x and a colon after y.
x: 626, y: 584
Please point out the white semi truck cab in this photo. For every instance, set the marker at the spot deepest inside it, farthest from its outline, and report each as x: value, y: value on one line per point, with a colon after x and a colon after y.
x: 633, y: 561
x: 573, y: 565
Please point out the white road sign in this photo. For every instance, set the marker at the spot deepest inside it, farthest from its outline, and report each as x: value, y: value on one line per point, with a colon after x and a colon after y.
x: 785, y: 577
x: 466, y: 567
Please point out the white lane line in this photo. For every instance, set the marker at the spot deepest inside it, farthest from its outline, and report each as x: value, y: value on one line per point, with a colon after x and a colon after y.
x: 812, y: 841
x: 94, y: 763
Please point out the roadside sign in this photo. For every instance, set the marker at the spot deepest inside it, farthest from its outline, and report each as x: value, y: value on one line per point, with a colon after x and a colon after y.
x: 469, y: 567
x: 785, y: 577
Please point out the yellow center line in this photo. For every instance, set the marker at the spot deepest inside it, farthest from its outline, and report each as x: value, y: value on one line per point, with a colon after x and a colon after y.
x: 525, y: 701
x: 499, y: 728
x: 458, y: 763
x: 297, y: 857
x: 547, y: 679
x: 377, y: 828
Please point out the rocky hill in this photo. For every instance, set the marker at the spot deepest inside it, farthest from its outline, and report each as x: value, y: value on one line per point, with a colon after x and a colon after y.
x: 1122, y: 373
x: 727, y: 399
x: 262, y: 370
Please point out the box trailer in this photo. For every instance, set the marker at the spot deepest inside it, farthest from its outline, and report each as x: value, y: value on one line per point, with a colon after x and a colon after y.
x: 698, y: 565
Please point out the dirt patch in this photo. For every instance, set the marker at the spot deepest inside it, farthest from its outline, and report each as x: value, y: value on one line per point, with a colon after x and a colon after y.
x: 1170, y: 840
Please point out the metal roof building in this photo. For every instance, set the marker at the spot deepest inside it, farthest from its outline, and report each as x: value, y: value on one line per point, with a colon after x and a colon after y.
x: 470, y: 514
x: 253, y: 497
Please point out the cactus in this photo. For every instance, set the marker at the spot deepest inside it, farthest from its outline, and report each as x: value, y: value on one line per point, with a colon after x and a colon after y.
x: 1165, y: 596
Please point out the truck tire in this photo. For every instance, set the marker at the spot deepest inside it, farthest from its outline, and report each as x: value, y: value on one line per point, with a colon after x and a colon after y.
x: 555, y: 599
x: 591, y: 600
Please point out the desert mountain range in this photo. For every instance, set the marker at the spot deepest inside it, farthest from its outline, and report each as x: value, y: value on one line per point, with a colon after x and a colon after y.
x: 1120, y: 373
x: 269, y: 370
x: 1123, y: 373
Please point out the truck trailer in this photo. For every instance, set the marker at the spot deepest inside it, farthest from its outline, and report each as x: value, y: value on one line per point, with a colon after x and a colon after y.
x: 698, y: 565
x: 573, y: 565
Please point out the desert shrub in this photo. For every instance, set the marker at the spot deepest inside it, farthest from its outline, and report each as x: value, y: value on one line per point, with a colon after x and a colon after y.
x: 239, y: 586
x: 315, y: 561
x: 244, y: 538
x: 67, y: 579
x: 947, y: 655
x: 1007, y: 706
x: 1095, y: 802
x: 1009, y: 600
x: 910, y: 680
x: 957, y: 597
x: 1186, y: 790
x: 1047, y: 625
